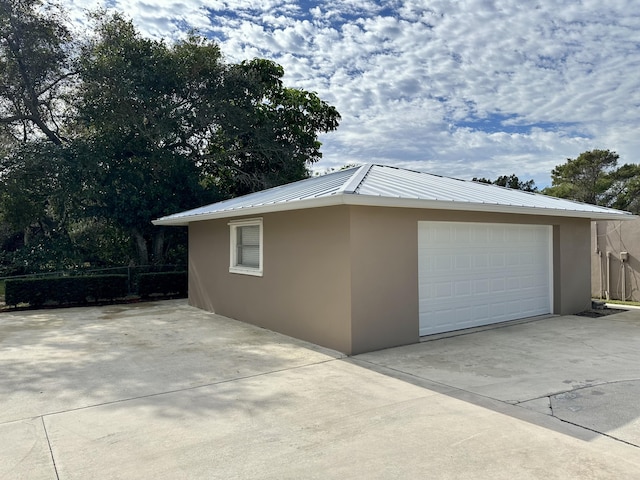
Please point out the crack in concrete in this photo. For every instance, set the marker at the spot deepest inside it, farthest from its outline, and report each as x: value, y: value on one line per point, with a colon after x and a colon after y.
x: 553, y: 414
x: 597, y: 431
x: 419, y: 381
x: 562, y: 392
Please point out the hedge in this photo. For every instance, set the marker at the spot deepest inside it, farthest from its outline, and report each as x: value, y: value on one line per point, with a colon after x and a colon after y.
x: 165, y: 283
x: 81, y: 289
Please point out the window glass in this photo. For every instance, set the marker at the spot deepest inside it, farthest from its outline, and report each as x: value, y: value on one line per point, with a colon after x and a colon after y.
x: 248, y: 245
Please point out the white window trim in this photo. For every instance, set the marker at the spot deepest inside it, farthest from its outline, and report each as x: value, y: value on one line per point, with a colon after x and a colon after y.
x: 233, y: 251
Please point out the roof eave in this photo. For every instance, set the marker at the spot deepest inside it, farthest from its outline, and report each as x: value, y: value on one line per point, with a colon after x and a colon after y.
x: 254, y: 210
x: 486, y: 207
x: 397, y: 202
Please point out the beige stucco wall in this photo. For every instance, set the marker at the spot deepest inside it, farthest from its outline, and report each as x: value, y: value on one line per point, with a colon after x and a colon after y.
x: 346, y: 277
x: 572, y: 270
x: 384, y: 269
x: 304, y: 292
x: 614, y: 237
x: 384, y: 278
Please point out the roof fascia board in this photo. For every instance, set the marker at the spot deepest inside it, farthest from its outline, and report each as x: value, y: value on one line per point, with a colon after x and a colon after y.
x: 366, y: 200
x: 376, y: 201
x: 257, y: 210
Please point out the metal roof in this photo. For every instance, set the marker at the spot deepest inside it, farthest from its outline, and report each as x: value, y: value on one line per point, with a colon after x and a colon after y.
x: 380, y: 185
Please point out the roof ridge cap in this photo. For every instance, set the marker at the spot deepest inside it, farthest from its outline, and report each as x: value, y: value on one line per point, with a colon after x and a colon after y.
x: 351, y: 185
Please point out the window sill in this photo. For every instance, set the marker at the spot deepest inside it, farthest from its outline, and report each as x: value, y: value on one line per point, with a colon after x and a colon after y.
x: 246, y: 271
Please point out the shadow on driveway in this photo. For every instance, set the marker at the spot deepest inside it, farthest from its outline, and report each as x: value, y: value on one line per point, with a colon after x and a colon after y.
x: 65, y: 359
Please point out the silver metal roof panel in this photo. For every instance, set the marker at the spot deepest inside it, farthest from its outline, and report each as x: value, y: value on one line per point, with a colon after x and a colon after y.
x: 304, y: 189
x: 381, y: 185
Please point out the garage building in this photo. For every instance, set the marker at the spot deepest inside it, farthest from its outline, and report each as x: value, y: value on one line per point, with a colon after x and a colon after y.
x: 376, y: 256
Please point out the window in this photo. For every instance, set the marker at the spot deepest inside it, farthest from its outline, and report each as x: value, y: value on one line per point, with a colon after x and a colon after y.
x: 246, y: 247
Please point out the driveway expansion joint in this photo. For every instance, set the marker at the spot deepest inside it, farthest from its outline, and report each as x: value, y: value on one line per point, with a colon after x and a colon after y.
x: 168, y: 392
x: 420, y: 381
x: 53, y: 460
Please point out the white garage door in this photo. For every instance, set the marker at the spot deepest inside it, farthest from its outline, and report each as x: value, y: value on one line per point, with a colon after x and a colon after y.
x: 473, y: 274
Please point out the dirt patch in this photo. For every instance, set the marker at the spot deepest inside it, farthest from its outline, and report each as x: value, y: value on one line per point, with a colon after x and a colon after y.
x: 600, y: 312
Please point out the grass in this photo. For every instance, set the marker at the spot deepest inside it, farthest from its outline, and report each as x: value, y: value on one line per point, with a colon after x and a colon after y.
x: 620, y: 302
x: 2, y: 288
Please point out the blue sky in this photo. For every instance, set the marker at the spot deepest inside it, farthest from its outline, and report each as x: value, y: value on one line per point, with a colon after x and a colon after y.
x: 460, y: 88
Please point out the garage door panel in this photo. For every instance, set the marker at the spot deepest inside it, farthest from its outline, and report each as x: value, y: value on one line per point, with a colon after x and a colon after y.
x: 462, y: 262
x: 482, y: 312
x: 497, y: 285
x: 476, y: 274
x: 480, y: 286
x: 513, y: 260
x: 497, y: 260
x: 481, y: 260
x: 443, y: 290
x: 463, y: 288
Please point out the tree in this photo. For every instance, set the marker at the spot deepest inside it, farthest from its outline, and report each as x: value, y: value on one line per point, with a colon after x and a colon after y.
x: 95, y: 142
x: 594, y: 177
x: 586, y: 178
x: 268, y: 132
x: 36, y: 76
x: 36, y: 70
x: 511, y: 181
x: 174, y: 126
x: 624, y: 192
x: 148, y: 109
x: 41, y: 198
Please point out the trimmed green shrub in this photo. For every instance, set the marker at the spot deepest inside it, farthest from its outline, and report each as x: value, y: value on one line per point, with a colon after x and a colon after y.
x: 18, y: 291
x: 106, y: 287
x: 36, y: 291
x: 165, y: 283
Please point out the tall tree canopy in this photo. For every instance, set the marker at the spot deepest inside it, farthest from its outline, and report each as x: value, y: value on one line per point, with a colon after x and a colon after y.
x: 594, y: 177
x: 124, y: 129
x: 586, y: 178
x: 36, y: 69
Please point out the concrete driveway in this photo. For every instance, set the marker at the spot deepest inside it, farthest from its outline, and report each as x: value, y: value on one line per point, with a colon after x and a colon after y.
x: 163, y: 390
x: 579, y: 370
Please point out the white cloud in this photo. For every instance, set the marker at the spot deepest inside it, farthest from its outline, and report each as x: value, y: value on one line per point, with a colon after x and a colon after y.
x: 414, y: 80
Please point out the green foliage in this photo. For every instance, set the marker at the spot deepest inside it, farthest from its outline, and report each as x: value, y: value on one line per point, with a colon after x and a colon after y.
x: 40, y: 256
x: 510, y: 181
x: 36, y: 57
x: 35, y: 184
x: 624, y: 192
x: 95, y: 142
x: 269, y: 132
x: 594, y: 177
x: 43, y: 196
x: 585, y: 178
x: 164, y: 283
x: 181, y: 128
x: 151, y: 108
x: 37, y: 291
